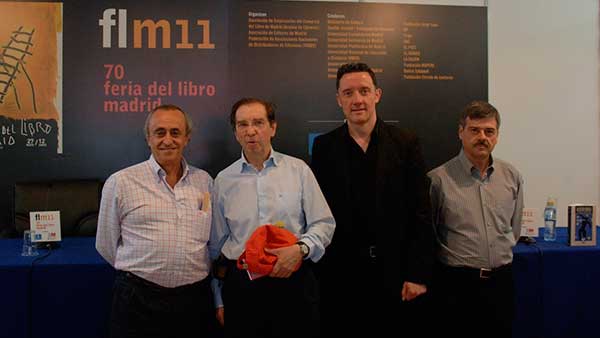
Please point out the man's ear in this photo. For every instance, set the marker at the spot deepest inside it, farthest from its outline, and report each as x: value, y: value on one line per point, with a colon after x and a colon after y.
x: 274, y: 126
x: 378, y: 94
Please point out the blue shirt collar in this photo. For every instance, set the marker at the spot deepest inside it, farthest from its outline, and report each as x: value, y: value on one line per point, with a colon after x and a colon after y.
x: 271, y: 161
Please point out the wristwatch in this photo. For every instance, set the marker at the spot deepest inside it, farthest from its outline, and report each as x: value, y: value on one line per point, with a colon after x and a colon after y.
x: 304, y: 249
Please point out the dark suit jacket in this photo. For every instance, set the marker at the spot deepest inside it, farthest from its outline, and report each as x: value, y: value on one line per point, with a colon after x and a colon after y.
x: 404, y: 234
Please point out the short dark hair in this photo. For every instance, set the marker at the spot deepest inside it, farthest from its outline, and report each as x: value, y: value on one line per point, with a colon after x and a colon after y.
x: 479, y: 110
x: 354, y: 68
x: 188, y: 120
x: 269, y: 107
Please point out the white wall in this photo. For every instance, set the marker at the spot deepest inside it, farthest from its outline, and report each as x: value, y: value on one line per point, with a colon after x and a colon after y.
x: 544, y: 80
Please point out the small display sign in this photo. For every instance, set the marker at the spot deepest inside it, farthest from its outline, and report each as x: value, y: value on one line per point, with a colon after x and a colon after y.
x: 529, y: 228
x: 45, y: 226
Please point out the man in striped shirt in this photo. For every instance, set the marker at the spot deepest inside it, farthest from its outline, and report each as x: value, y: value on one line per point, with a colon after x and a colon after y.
x: 153, y: 228
x: 477, y: 201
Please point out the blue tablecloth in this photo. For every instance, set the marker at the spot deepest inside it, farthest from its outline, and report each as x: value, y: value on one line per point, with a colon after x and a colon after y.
x: 67, y: 294
x: 14, y: 282
x: 527, y: 276
x: 557, y: 289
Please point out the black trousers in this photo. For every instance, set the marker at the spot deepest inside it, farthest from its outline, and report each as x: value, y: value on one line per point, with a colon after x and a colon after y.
x: 143, y: 309
x: 471, y: 305
x: 271, y: 307
x: 357, y: 303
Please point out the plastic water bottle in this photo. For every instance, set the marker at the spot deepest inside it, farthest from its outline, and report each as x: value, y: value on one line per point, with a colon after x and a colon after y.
x: 550, y: 220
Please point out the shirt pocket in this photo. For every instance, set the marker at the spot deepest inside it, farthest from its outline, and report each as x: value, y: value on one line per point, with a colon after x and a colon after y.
x: 504, y: 210
x: 292, y: 204
x: 199, y: 224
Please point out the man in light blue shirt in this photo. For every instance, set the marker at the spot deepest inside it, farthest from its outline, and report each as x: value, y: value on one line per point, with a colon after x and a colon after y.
x: 267, y: 187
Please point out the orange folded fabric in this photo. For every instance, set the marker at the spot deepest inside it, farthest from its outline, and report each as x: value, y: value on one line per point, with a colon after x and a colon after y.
x: 255, y: 259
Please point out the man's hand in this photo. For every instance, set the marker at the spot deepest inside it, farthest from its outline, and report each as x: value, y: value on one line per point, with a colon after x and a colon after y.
x: 287, y: 259
x: 221, y: 315
x: 411, y: 291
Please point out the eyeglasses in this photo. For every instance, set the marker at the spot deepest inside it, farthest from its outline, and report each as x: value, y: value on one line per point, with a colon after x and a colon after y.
x: 244, y: 125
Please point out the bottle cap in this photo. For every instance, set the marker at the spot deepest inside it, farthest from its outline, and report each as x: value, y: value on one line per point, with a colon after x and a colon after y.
x: 551, y: 202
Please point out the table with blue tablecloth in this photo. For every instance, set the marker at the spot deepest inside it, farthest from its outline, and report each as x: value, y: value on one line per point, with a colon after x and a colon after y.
x: 66, y: 292
x: 556, y: 289
x: 15, y: 286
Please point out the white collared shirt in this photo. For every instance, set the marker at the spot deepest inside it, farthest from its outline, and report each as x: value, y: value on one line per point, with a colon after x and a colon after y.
x: 154, y: 231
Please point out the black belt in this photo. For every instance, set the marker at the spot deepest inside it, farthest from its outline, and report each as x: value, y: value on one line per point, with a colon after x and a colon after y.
x: 139, y: 281
x: 366, y: 253
x: 476, y: 273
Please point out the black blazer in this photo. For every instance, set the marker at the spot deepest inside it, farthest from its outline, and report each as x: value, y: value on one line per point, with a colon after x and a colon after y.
x: 404, y: 234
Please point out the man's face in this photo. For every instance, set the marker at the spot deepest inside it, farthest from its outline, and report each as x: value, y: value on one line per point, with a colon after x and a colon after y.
x: 253, y: 130
x: 167, y: 136
x: 479, y: 137
x: 357, y: 96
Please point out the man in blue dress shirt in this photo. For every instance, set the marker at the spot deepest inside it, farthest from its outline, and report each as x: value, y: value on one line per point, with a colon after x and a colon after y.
x: 267, y: 187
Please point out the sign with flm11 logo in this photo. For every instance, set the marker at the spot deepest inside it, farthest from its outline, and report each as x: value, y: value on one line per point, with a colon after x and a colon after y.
x: 45, y: 226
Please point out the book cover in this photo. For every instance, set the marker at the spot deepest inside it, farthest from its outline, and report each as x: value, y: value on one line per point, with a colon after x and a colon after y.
x: 582, y: 224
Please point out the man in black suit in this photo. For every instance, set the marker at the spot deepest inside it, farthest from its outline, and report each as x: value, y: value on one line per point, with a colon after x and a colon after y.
x: 373, y: 177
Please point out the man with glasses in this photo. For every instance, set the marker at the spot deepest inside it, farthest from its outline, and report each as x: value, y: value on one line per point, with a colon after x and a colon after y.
x: 477, y: 204
x: 268, y: 187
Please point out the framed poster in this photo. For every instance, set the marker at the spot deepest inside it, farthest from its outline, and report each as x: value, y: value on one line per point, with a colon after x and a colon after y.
x: 582, y: 224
